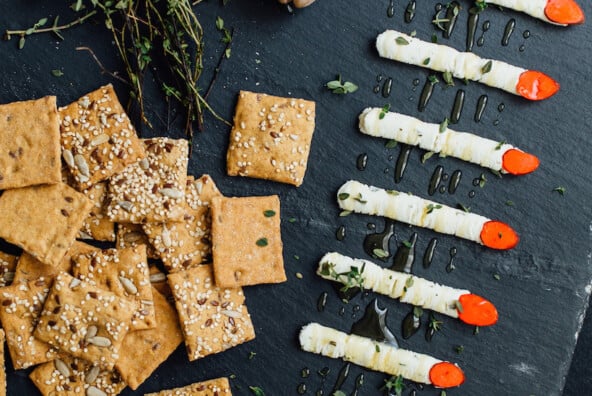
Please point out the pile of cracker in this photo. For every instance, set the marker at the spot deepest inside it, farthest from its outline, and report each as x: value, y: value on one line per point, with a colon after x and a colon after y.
x: 97, y: 320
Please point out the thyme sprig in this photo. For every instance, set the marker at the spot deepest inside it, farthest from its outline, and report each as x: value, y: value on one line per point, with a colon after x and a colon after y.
x: 350, y: 279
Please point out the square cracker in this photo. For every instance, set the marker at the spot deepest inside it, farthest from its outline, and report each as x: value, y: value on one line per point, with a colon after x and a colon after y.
x: 85, y: 321
x: 271, y: 137
x: 151, y: 190
x: 143, y: 351
x: 246, y: 241
x: 213, y: 319
x: 187, y: 243
x: 132, y: 235
x: 214, y: 387
x: 70, y: 376
x: 123, y: 272
x: 43, y: 220
x: 21, y: 306
x: 97, y: 137
x: 30, y: 136
x: 97, y: 225
x: 7, y: 268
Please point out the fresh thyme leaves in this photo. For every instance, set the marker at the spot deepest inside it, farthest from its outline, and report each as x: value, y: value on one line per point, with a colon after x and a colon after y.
x: 390, y: 144
x: 401, y: 41
x: 351, y: 279
x: 344, y: 213
x: 443, y: 125
x: 426, y: 61
x: 433, y: 79
x: 463, y: 208
x: 459, y: 349
x: 434, y: 323
x: 481, y: 5
x: 408, y: 283
x: 509, y: 203
x: 407, y: 244
x: 448, y: 78
x: 343, y: 196
x: 57, y: 73
x: 380, y: 253
x: 497, y: 277
x: 269, y: 213
x: 252, y: 355
x: 500, y: 144
x: 385, y: 109
x: 487, y: 67
x: 257, y: 391
x: 431, y: 207
x: 482, y: 180
x: 427, y: 155
x: 226, y: 35
x: 560, y: 190
x: 342, y: 88
x: 395, y: 384
x: 262, y: 242
x: 417, y: 312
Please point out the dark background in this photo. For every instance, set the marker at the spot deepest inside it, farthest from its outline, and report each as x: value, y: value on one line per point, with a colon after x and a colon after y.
x: 542, y: 291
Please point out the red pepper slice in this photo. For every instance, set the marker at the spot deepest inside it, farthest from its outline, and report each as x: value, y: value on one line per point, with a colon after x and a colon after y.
x: 535, y: 85
x: 566, y: 12
x: 446, y: 375
x: 476, y: 311
x: 498, y: 235
x: 518, y: 162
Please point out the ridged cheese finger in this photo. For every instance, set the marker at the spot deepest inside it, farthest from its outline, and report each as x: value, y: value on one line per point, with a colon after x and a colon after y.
x: 558, y: 12
x: 488, y: 153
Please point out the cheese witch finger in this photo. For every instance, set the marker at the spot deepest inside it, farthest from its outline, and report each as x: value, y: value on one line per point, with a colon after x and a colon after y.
x: 488, y: 153
x: 380, y: 356
x: 559, y: 12
x: 457, y: 303
x: 360, y: 198
x: 529, y: 84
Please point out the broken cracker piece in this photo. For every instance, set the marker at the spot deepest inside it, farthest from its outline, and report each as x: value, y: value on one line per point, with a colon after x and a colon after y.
x: 7, y: 268
x: 97, y: 225
x: 213, y: 387
x: 132, y: 235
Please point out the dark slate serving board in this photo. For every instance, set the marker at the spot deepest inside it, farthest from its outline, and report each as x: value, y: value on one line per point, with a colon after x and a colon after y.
x: 543, y: 285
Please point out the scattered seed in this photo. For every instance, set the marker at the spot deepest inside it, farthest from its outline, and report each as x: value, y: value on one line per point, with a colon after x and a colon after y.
x: 231, y: 314
x: 133, y: 236
x: 93, y: 391
x: 126, y: 205
x: 68, y: 158
x: 171, y: 193
x: 92, y: 374
x: 128, y: 285
x: 159, y: 277
x: 62, y: 367
x: 81, y: 165
x: 102, y: 138
x: 166, y: 238
x: 74, y: 283
x: 100, y: 341
x: 144, y: 164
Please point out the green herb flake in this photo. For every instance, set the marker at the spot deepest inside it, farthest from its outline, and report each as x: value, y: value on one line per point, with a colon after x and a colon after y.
x: 401, y: 41
x: 434, y: 38
x: 343, y: 196
x: 341, y: 88
x: 444, y: 125
x: 292, y: 220
x: 257, y: 391
x: 377, y: 347
x: 344, y: 213
x: 476, y: 330
x: 427, y: 155
x: 482, y: 180
x: 269, y: 213
x: 433, y: 79
x: 385, y: 109
x: 392, y: 192
x: 296, y: 257
x: 360, y: 199
x: 431, y: 207
x: 262, y: 242
x: 232, y: 376
x: 219, y: 23
x: 417, y: 312
x: 459, y: 349
x: 426, y: 61
x: 443, y: 393
x: 409, y: 282
x: 394, y: 384
x: 391, y: 144
x: 500, y: 144
x: 560, y: 190
x: 434, y: 323
x: 407, y: 244
x: 487, y: 67
x: 509, y: 203
x: 252, y: 355
x: 463, y: 208
x: 380, y: 253
x: 447, y: 76
x: 496, y: 276
x: 57, y: 73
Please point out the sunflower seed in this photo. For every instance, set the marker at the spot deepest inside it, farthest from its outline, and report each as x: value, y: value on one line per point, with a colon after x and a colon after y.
x: 103, y: 119
x: 171, y: 193
x: 198, y: 186
x: 84, y: 102
x: 81, y: 165
x: 91, y: 332
x: 62, y: 367
x: 166, y: 237
x: 102, y: 138
x: 93, y: 391
x: 128, y: 285
x: 231, y: 314
x: 68, y: 158
x: 133, y: 236
x: 100, y: 341
x: 74, y: 283
x: 84, y: 235
x: 147, y: 302
x: 144, y: 164
x: 158, y: 277
x: 92, y: 374
x: 9, y: 276
x: 126, y: 205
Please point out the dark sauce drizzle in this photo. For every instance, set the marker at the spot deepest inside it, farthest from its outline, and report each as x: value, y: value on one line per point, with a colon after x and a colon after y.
x: 435, y: 179
x: 322, y: 302
x: 459, y: 101
x: 472, y: 24
x: 340, y: 233
x: 402, y: 162
x: 386, y: 87
x: 451, y: 16
x: 343, y: 374
x: 411, y: 324
x: 426, y: 95
x: 451, y: 267
x: 390, y: 11
x: 380, y: 240
x: 485, y: 27
x: 510, y: 26
x: 410, y: 11
x: 373, y: 325
x: 362, y: 161
x: 481, y: 105
x: 428, y: 256
x: 405, y: 256
x: 454, y: 181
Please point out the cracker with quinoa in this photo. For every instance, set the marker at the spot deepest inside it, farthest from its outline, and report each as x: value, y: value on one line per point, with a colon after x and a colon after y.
x: 97, y: 137
x: 29, y: 268
x: 70, y: 376
x: 212, y: 319
x: 123, y: 272
x: 132, y: 235
x: 21, y: 306
x: 43, y: 220
x: 213, y: 387
x: 30, y: 136
x: 187, y: 243
x: 271, y: 137
x: 143, y: 351
x: 255, y: 257
x: 97, y: 225
x: 84, y: 320
x: 7, y: 268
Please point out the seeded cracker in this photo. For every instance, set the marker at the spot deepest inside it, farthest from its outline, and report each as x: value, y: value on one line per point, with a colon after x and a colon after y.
x: 246, y: 241
x: 98, y: 139
x: 2, y: 366
x: 97, y: 225
x: 85, y: 321
x: 213, y: 319
x: 30, y: 136
x: 7, y: 268
x: 143, y: 351
x: 214, y: 387
x: 21, y: 307
x: 158, y: 279
x: 69, y: 376
x: 187, y: 243
x: 153, y: 189
x: 271, y: 138
x: 132, y: 235
x: 123, y: 272
x: 43, y: 220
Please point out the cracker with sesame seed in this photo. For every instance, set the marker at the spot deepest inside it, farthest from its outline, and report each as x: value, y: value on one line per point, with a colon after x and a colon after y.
x: 271, y: 137
x: 256, y: 256
x: 158, y: 279
x: 97, y: 137
x: 21, y: 306
x: 7, y: 268
x: 43, y: 220
x: 212, y: 319
x: 187, y: 243
x: 214, y: 387
x: 143, y: 351
x: 85, y: 321
x: 123, y: 272
x: 152, y: 189
x: 132, y: 235
x: 97, y: 225
x: 30, y: 136
x: 70, y: 376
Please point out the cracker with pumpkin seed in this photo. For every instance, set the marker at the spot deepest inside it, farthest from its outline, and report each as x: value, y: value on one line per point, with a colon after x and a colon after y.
x: 70, y: 376
x: 123, y: 272
x: 97, y: 137
x: 213, y: 387
x: 212, y: 319
x: 143, y: 351
x: 187, y: 243
x: 30, y: 136
x: 255, y: 257
x: 132, y: 235
x: 7, y: 268
x: 20, y: 310
x: 97, y: 225
x: 152, y: 189
x: 85, y: 321
x: 43, y: 220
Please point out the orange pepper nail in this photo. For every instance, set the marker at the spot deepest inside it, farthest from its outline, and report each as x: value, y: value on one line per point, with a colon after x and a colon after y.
x: 535, y: 85
x: 476, y: 310
x: 566, y: 12
x: 446, y: 375
x: 518, y: 162
x: 498, y: 235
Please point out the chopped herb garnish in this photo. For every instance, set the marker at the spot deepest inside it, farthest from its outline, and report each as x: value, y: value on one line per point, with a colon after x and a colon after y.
x: 296, y: 257
x: 487, y: 67
x: 269, y: 213
x: 385, y: 109
x: 448, y: 78
x: 409, y: 282
x: 463, y: 208
x: 434, y: 323
x: 482, y: 180
x: 434, y: 38
x: 377, y: 347
x: 380, y: 253
x: 496, y: 173
x: 426, y: 61
x: 431, y: 207
x: 500, y: 144
x: 392, y: 192
x: 344, y: 213
x: 391, y: 144
x: 417, y: 312
x: 252, y: 355
x: 395, y: 384
x: 339, y: 87
x: 360, y: 199
x: 443, y: 393
x: 458, y: 306
x: 343, y: 196
x: 407, y: 244
x: 427, y: 155
x: 257, y: 391
x: 509, y: 203
x: 443, y: 125
x: 339, y: 393
x: 57, y: 73
x: 232, y: 376
x: 291, y: 220
x: 496, y: 277
x: 560, y: 190
x: 481, y: 5
x: 261, y: 242
x: 433, y: 79
x: 459, y: 349
x: 401, y: 41
x: 413, y: 33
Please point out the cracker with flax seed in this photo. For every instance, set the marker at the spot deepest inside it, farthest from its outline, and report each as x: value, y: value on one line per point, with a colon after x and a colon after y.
x: 20, y: 309
x: 212, y: 319
x: 7, y: 268
x: 123, y: 272
x: 152, y: 189
x: 43, y: 220
x: 271, y: 137
x: 85, y: 321
x: 97, y: 137
x: 30, y: 136
x: 213, y: 387
x: 132, y: 235
x: 70, y: 376
x: 246, y: 241
x: 187, y: 243
x: 97, y: 225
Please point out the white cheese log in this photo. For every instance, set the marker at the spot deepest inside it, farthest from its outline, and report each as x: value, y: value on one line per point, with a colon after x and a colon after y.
x: 365, y: 352
x: 446, y: 59
x: 409, y: 130
x: 410, y: 209
x: 408, y: 288
x: 534, y: 8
